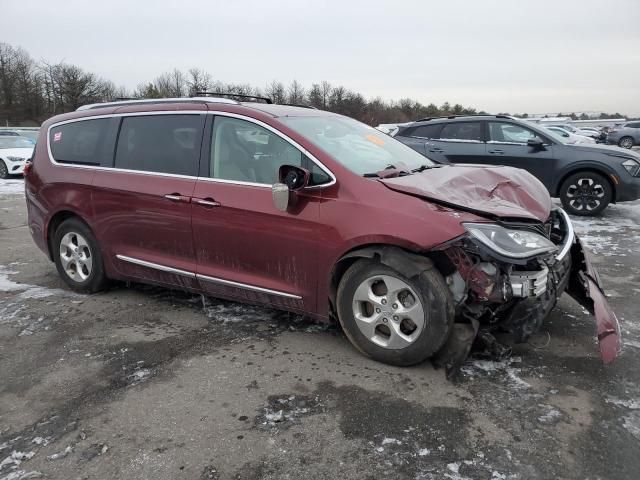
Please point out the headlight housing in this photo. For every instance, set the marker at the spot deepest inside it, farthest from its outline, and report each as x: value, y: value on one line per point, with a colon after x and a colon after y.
x: 508, y: 242
x: 632, y: 166
x: 15, y: 159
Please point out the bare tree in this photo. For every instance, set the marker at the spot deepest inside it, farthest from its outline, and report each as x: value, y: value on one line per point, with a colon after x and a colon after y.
x: 296, y: 94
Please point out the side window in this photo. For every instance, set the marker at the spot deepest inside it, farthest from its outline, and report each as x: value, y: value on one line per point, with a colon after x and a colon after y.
x: 83, y: 143
x: 160, y: 143
x: 426, y: 131
x: 634, y: 125
x: 462, y: 131
x: 246, y: 152
x: 509, y: 133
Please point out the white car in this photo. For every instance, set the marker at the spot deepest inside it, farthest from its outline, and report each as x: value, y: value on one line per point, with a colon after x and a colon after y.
x: 14, y: 153
x: 574, y: 130
x: 570, y: 138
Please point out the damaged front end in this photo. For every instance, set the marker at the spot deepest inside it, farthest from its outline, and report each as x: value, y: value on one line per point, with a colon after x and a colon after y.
x: 507, y: 276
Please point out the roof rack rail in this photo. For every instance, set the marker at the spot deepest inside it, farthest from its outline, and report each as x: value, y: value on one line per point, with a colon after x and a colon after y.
x: 426, y: 119
x: 239, y: 95
x: 145, y: 101
x: 301, y: 105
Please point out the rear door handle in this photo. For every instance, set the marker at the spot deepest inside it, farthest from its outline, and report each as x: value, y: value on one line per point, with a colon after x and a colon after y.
x: 497, y: 152
x: 436, y: 150
x: 206, y: 202
x: 176, y: 197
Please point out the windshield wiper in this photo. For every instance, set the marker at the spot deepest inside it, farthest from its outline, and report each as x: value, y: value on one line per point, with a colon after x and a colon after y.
x: 375, y: 174
x: 421, y: 168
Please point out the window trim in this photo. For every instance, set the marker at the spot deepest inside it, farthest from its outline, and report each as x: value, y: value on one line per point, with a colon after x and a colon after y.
x: 546, y: 141
x: 312, y: 157
x: 461, y: 140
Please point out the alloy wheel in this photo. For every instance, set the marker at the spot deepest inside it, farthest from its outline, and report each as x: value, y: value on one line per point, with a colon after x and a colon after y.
x: 585, y: 194
x: 76, y: 257
x: 626, y: 142
x: 4, y: 172
x: 388, y: 312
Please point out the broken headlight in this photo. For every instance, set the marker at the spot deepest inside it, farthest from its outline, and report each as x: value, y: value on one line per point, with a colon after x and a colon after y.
x: 508, y: 242
x: 632, y: 166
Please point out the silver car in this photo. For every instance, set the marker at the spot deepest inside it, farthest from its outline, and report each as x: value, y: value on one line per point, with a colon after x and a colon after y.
x: 626, y: 136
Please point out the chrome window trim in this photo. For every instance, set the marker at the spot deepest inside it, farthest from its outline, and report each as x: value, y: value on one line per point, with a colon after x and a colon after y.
x: 221, y: 281
x: 155, y: 266
x: 333, y: 180
x: 286, y: 139
x: 245, y: 286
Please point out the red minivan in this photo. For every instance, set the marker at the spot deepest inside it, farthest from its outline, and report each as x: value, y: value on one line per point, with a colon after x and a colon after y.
x: 310, y: 212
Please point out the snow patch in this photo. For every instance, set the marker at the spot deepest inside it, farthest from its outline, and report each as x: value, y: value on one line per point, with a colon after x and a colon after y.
x: 11, y: 187
x: 550, y: 416
x: 631, y: 423
x: 393, y: 441
x: 62, y: 454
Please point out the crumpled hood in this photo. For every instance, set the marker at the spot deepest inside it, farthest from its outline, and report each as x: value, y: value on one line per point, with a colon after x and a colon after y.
x: 495, y: 191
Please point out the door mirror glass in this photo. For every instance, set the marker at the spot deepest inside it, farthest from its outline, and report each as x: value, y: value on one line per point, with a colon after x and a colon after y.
x: 295, y: 178
x: 535, y: 142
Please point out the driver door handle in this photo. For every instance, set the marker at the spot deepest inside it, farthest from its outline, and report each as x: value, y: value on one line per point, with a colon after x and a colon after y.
x: 176, y: 197
x: 206, y: 202
x: 497, y: 152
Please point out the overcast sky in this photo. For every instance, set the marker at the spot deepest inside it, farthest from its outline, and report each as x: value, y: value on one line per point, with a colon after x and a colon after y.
x: 533, y: 56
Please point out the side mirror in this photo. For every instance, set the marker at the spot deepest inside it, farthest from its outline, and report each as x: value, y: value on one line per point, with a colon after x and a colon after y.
x: 535, y: 142
x: 291, y: 180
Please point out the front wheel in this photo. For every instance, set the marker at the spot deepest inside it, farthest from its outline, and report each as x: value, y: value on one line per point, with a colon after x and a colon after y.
x: 585, y: 193
x: 78, y: 258
x: 4, y: 171
x: 626, y: 142
x: 391, y: 318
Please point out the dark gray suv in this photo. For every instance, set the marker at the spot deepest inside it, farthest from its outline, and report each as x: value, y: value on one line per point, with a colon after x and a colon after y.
x: 586, y: 178
x: 625, y: 136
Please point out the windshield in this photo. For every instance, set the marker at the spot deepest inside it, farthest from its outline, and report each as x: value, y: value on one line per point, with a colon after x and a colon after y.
x: 360, y: 148
x: 15, y: 142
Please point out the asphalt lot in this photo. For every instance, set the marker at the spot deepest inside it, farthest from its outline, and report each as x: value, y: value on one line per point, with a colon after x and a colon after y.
x: 143, y: 382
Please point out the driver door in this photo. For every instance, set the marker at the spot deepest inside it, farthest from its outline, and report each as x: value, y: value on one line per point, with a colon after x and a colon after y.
x: 246, y: 248
x: 507, y: 145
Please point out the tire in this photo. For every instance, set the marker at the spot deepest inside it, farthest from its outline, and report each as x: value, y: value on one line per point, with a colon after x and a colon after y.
x: 626, y: 142
x: 4, y: 171
x: 78, y: 257
x: 435, y: 308
x: 586, y: 194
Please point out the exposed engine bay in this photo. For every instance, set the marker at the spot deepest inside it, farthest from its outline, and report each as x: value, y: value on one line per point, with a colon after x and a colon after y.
x: 493, y: 292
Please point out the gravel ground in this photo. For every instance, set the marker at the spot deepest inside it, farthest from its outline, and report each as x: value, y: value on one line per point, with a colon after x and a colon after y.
x: 143, y: 382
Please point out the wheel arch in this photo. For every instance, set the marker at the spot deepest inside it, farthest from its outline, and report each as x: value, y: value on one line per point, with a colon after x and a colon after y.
x: 589, y: 169
x: 54, y: 223
x: 410, y: 263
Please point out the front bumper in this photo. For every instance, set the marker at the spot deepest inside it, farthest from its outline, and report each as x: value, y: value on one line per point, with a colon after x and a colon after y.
x: 15, y: 167
x: 572, y: 272
x: 585, y: 287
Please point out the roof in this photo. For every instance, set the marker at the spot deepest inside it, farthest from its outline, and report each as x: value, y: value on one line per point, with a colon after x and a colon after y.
x: 286, y: 110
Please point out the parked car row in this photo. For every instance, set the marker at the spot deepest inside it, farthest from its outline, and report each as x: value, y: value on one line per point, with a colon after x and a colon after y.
x: 316, y: 213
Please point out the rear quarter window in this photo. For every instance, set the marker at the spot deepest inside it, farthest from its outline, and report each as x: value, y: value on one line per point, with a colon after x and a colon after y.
x: 426, y: 131
x: 83, y: 142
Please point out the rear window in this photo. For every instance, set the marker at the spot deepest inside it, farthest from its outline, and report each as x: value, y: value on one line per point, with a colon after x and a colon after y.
x: 462, y: 131
x: 160, y: 143
x: 82, y: 142
x: 426, y: 131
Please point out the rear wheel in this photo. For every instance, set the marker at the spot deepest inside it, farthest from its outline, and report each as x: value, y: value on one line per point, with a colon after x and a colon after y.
x: 4, y: 171
x: 626, y: 142
x: 391, y: 318
x: 78, y: 258
x: 585, y: 193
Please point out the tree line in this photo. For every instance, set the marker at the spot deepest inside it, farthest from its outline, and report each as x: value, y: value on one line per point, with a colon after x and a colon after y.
x: 32, y: 91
